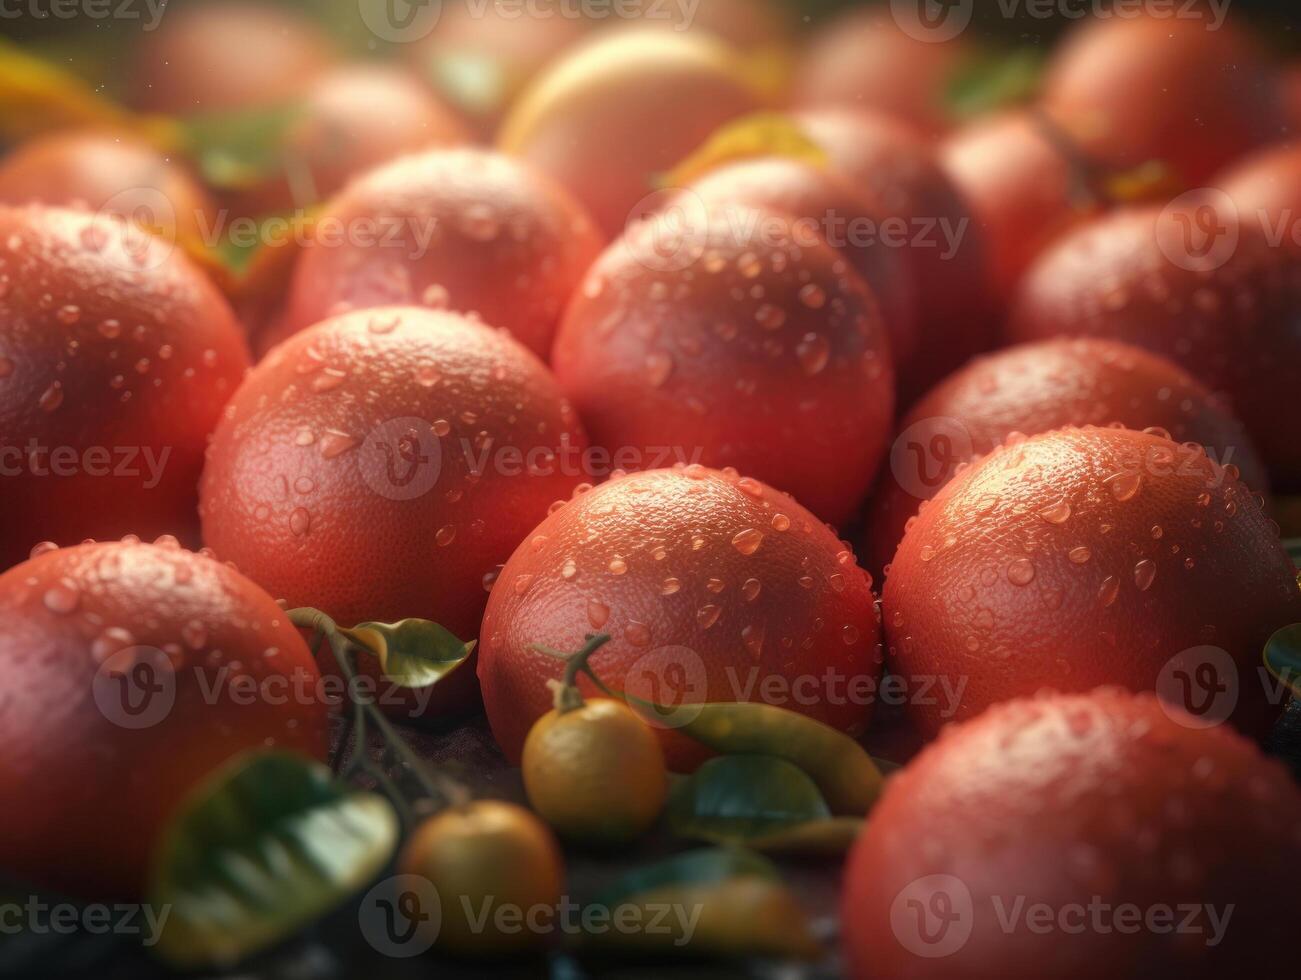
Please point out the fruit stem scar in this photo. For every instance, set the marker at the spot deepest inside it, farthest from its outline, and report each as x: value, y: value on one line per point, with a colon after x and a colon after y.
x: 567, y: 696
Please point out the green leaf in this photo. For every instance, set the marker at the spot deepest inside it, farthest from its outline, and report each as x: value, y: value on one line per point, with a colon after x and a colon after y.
x: 707, y: 866
x: 994, y: 82
x: 734, y: 798
x: 1283, y: 656
x: 414, y: 652
x: 240, y: 149
x: 269, y: 843
x: 1293, y: 546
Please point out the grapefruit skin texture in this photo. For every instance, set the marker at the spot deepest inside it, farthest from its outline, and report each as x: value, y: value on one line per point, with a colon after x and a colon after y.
x: 1230, y: 325
x: 1130, y: 90
x: 791, y: 383
x: 654, y: 560
x: 464, y: 230
x: 1084, y: 557
x: 225, y: 58
x: 94, y: 170
x: 1020, y: 187
x: 610, y: 117
x: 377, y: 467
x: 95, y: 795
x: 828, y: 204
x: 1034, y: 388
x: 116, y: 356
x: 1071, y: 801
x: 897, y: 167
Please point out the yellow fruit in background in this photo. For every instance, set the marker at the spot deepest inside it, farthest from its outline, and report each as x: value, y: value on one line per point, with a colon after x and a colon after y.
x: 595, y: 772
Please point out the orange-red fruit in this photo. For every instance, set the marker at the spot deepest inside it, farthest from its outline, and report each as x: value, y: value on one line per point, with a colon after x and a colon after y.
x: 748, y: 343
x: 862, y: 60
x: 351, y: 119
x: 380, y: 464
x: 1185, y: 91
x: 1033, y: 388
x: 617, y: 113
x: 712, y: 588
x: 898, y: 168
x: 850, y: 220
x: 107, y: 171
x: 116, y: 356
x: 1077, y: 837
x: 463, y: 230
x: 130, y: 671
x: 1021, y: 186
x: 1084, y: 557
x: 1265, y: 188
x: 481, y: 57
x: 1193, y: 283
x: 226, y: 57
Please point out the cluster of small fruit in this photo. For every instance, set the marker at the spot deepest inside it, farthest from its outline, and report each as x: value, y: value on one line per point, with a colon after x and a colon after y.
x: 527, y: 395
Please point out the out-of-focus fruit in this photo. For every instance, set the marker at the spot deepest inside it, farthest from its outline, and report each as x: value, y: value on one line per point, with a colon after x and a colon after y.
x: 127, y: 674
x: 898, y: 169
x: 223, y: 57
x: 595, y: 772
x: 103, y: 171
x: 1265, y: 188
x: 481, y: 57
x: 116, y: 356
x: 352, y: 119
x: 838, y: 211
x: 1022, y: 187
x: 862, y: 60
x: 1091, y: 556
x: 1077, y: 837
x: 1185, y: 91
x: 748, y: 343
x: 489, y: 855
x: 465, y: 230
x: 1034, y: 388
x: 609, y: 119
x: 712, y: 587
x: 1196, y: 284
x: 380, y: 464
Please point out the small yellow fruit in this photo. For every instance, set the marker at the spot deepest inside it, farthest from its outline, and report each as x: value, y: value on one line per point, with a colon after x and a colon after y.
x: 595, y: 772
x: 492, y: 864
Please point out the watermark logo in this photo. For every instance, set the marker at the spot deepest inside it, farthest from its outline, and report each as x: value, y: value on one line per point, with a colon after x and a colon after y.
x: 1198, y: 687
x: 924, y: 456
x: 401, y: 916
x: 135, y: 688
x: 675, y: 680
x: 932, y: 917
x: 1199, y: 230
x: 932, y: 21
x: 400, y: 21
x: 401, y: 459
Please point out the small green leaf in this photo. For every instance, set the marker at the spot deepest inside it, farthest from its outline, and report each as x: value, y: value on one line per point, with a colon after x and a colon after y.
x: 702, y: 867
x: 414, y: 652
x: 995, y: 82
x: 267, y: 844
x: 734, y: 798
x: 240, y: 149
x: 1283, y: 656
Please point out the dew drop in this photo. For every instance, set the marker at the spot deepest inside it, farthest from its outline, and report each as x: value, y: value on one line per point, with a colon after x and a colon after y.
x: 1021, y: 572
x: 1058, y: 513
x: 335, y: 443
x: 1079, y: 554
x: 1144, y: 574
x: 813, y: 296
x: 780, y: 522
x: 770, y: 317
x: 523, y: 583
x: 814, y: 352
x: 637, y: 634
x: 1108, y: 591
x: 751, y: 589
x: 618, y: 566
x: 63, y: 598
x: 707, y: 615
x: 752, y: 636
x: 1125, y: 485
x: 446, y: 535
x: 597, y: 613
x: 52, y: 398
x: 849, y: 635
x: 747, y: 542
x: 670, y: 586
x: 300, y: 521
x: 43, y: 548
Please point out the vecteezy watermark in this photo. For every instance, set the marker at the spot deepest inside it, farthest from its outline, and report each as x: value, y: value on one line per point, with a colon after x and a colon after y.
x: 403, y: 915
x: 148, y: 11
x: 1199, y: 230
x: 404, y: 21
x: 925, y: 455
x: 37, y: 917
x: 671, y: 230
x: 934, y: 916
x: 138, y: 686
x: 936, y: 21
x: 400, y: 21
x: 34, y: 458
x: 1201, y: 687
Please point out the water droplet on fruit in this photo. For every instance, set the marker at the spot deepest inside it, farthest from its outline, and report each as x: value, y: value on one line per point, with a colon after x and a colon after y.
x: 707, y: 615
x: 446, y: 535
x: 300, y: 521
x: 747, y: 542
x: 109, y: 642
x: 335, y: 443
x: 597, y: 613
x: 837, y: 581
x: 637, y: 634
x: 1058, y: 513
x: 1108, y: 591
x: 1079, y: 554
x: 752, y: 637
x: 814, y: 351
x: 1125, y: 485
x: 770, y: 317
x: 1021, y: 572
x: 849, y: 635
x: 51, y: 398
x: 813, y: 296
x: 194, y: 634
x: 43, y: 548
x: 751, y: 589
x: 63, y: 598
x: 670, y: 586
x: 1144, y: 574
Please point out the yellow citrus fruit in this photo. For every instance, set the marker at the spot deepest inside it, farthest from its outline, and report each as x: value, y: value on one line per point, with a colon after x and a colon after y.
x: 496, y: 868
x: 595, y: 773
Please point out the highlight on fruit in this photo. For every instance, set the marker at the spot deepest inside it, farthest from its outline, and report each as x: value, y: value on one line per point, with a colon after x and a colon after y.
x: 720, y: 488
